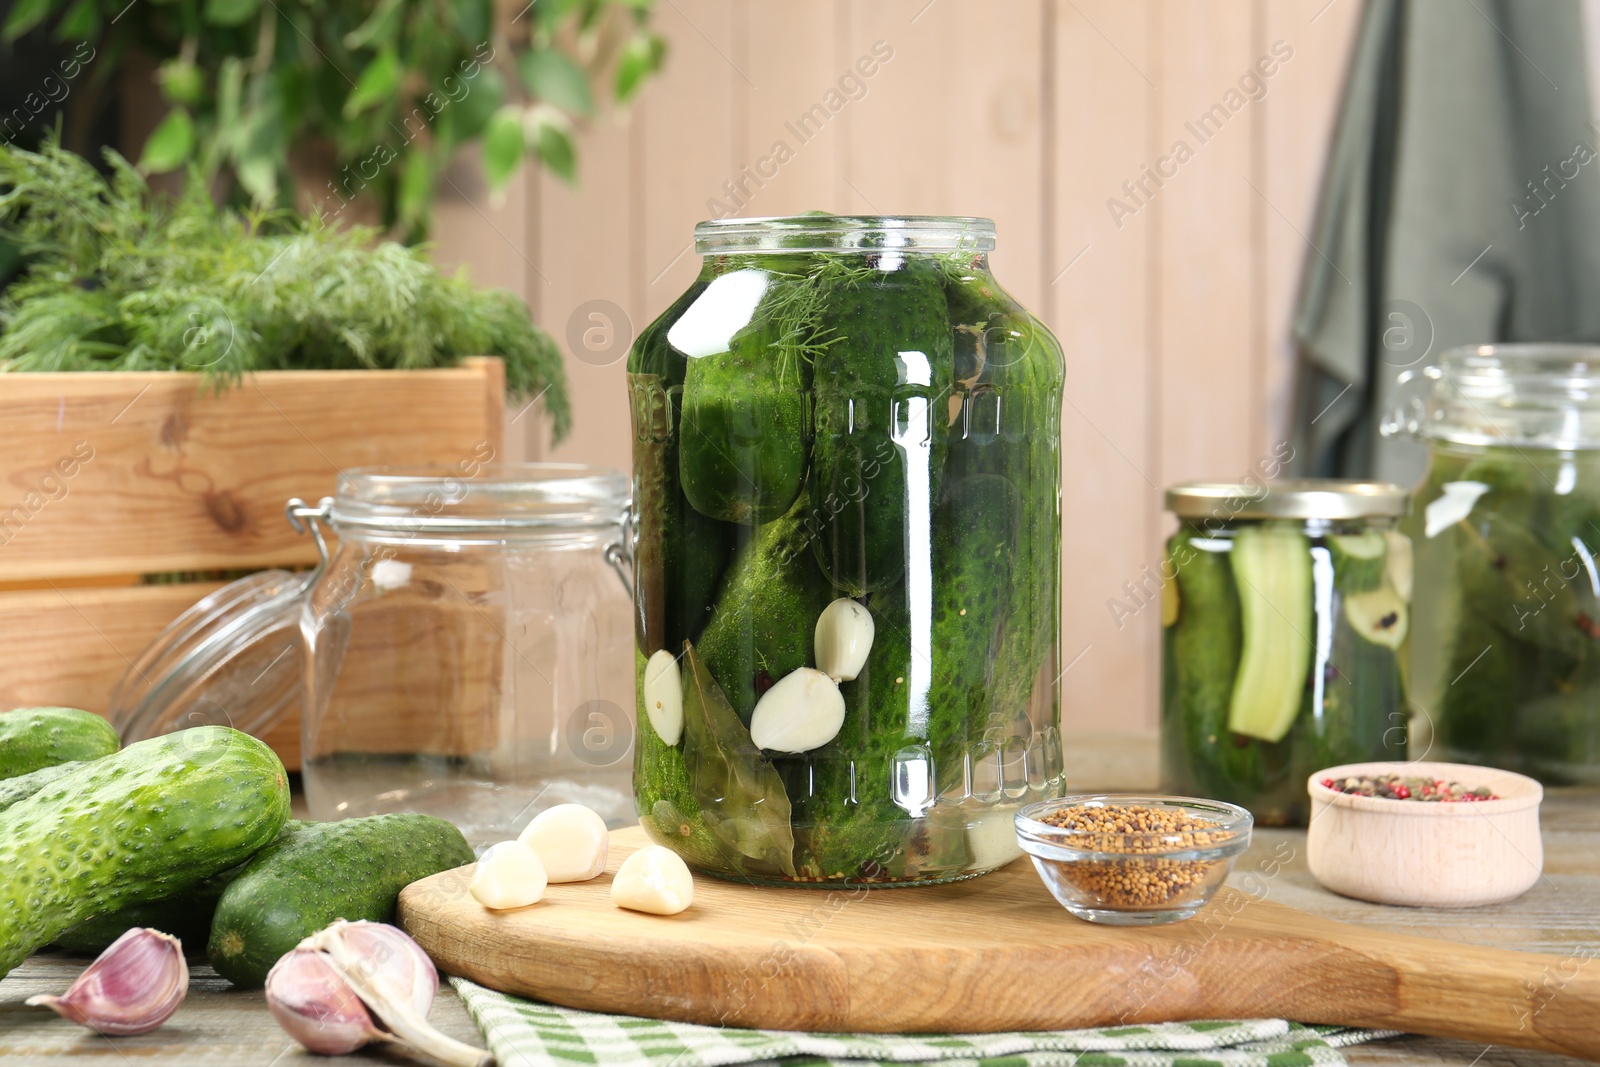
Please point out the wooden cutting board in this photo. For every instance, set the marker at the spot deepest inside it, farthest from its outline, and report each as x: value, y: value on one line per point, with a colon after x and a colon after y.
x: 992, y: 953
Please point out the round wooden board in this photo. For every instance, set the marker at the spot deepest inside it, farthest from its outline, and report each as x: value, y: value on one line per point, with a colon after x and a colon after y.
x: 992, y: 953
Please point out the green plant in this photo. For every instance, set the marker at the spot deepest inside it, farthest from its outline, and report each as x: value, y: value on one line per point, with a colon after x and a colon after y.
x: 120, y: 279
x: 396, y: 87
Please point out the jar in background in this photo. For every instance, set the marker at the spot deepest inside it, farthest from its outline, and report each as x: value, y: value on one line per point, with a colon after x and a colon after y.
x: 1285, y: 617
x: 847, y: 479
x: 463, y: 651
x: 1506, y: 523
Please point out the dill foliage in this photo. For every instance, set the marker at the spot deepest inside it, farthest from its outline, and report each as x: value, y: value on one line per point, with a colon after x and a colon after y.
x: 119, y: 279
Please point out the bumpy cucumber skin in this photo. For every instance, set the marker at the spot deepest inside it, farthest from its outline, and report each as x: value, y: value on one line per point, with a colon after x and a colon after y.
x: 34, y: 738
x: 680, y: 554
x: 663, y: 794
x: 23, y: 786
x: 139, y: 825
x: 766, y: 610
x: 186, y: 915
x: 891, y: 361
x: 352, y: 869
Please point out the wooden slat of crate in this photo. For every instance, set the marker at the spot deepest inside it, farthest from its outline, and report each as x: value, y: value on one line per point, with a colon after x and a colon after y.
x: 116, y: 474
x: 71, y: 645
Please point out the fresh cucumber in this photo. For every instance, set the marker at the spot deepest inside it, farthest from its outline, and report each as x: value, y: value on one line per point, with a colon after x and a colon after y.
x: 1272, y: 571
x: 1360, y: 560
x: 32, y: 738
x: 138, y: 825
x: 24, y: 786
x: 766, y: 610
x: 185, y: 915
x: 352, y: 869
x: 882, y: 393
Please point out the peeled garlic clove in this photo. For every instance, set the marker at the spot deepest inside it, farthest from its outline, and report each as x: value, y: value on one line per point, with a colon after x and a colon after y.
x: 510, y: 875
x: 315, y: 1006
x: 803, y: 711
x: 663, y: 696
x: 843, y: 638
x: 571, y: 841
x: 654, y: 879
x: 131, y: 988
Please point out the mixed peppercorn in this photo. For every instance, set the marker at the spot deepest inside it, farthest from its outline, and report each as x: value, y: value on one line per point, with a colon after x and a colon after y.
x: 1397, y: 787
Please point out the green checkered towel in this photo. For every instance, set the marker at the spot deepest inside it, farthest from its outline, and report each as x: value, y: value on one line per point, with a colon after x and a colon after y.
x: 522, y: 1033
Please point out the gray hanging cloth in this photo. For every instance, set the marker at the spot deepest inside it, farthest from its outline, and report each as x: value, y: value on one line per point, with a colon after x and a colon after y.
x: 1460, y: 205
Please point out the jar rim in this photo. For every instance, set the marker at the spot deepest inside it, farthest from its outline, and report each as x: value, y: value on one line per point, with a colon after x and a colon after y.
x: 1294, y: 498
x: 1543, y: 394
x: 845, y: 233
x: 479, y: 498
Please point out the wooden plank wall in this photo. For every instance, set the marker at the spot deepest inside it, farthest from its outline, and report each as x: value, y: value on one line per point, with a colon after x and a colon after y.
x: 1173, y: 312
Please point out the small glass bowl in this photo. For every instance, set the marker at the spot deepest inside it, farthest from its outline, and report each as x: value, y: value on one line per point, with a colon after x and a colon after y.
x: 1138, y: 878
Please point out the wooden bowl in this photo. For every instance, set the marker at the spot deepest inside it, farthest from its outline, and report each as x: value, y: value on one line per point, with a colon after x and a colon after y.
x: 1437, y: 855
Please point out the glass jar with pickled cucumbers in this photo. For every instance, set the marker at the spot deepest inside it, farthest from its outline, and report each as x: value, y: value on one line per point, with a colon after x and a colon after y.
x: 1285, y: 618
x: 847, y: 560
x: 1506, y: 522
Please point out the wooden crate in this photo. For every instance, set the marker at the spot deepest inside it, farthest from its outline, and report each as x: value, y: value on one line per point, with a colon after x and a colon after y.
x: 106, y: 477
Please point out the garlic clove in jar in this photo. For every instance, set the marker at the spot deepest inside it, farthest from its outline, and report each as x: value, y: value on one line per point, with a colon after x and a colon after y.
x: 802, y: 711
x: 655, y: 880
x: 509, y: 875
x: 571, y: 840
x: 663, y: 696
x: 842, y: 639
x: 131, y: 988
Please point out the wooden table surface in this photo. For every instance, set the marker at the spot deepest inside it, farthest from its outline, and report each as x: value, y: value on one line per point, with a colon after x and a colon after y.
x: 222, y: 1027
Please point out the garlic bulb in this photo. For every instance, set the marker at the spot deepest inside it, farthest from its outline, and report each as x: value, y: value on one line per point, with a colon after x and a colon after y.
x: 663, y: 696
x: 131, y: 988
x: 354, y: 983
x: 803, y: 711
x: 654, y: 879
x: 842, y: 639
x: 571, y: 840
x: 509, y: 875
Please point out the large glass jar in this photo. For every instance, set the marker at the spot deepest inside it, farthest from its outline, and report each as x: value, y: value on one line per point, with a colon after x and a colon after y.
x: 462, y: 651
x: 846, y: 472
x: 1285, y: 616
x: 1506, y: 657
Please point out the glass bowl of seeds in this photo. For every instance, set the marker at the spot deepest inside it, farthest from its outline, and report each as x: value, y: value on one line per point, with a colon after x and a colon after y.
x: 1133, y: 860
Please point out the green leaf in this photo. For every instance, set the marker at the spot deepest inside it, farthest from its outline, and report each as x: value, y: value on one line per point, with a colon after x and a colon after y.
x: 741, y: 795
x: 641, y: 57
x: 181, y: 82
x: 552, y: 77
x: 170, y: 144
x: 25, y: 16
x: 502, y: 146
x: 382, y: 26
x: 377, y: 83
x: 484, y: 95
x: 416, y: 186
x: 554, y: 147
x: 230, y: 12
x: 81, y: 22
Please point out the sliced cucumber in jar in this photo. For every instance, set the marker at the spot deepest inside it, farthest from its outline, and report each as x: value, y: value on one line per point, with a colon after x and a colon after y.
x: 1359, y: 560
x: 1272, y: 569
x: 1378, y: 616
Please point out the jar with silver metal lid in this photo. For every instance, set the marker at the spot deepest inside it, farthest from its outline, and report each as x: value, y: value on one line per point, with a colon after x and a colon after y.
x: 1285, y: 616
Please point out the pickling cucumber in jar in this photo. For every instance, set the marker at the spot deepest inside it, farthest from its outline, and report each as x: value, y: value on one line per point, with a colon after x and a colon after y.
x: 1284, y: 630
x: 847, y: 455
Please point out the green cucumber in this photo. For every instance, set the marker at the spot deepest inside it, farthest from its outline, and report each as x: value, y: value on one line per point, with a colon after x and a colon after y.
x: 32, y: 738
x: 138, y: 825
x: 663, y: 794
x: 185, y: 915
x: 1272, y: 571
x: 882, y: 393
x: 352, y: 869
x: 24, y: 786
x: 766, y: 610
x: 744, y: 423
x: 1360, y: 561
